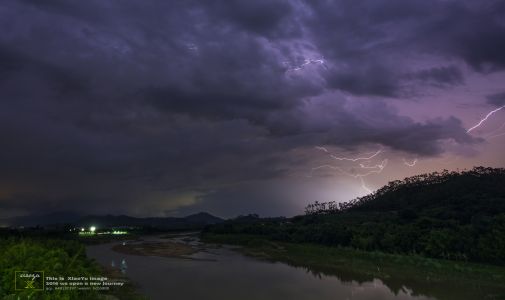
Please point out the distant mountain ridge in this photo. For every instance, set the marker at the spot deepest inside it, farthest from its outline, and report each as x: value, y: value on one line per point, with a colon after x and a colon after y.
x: 59, y: 218
x: 200, y: 219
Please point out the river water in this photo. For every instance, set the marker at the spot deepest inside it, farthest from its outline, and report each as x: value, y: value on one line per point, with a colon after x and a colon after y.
x: 221, y: 273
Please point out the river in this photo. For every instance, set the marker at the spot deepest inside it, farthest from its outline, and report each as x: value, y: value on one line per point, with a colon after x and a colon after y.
x: 220, y: 273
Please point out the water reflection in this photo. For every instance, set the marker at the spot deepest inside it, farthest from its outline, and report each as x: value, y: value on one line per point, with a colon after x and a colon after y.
x: 221, y: 273
x: 414, y: 287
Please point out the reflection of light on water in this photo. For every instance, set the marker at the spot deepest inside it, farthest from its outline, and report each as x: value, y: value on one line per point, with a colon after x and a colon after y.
x: 123, y: 266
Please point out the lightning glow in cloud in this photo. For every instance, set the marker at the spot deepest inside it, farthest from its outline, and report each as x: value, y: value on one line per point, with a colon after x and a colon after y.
x: 485, y: 118
x: 363, y: 185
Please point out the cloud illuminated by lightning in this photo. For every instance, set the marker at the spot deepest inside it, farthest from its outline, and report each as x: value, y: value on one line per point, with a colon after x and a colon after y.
x: 485, y: 118
x: 363, y: 185
x: 378, y: 170
x: 496, y: 133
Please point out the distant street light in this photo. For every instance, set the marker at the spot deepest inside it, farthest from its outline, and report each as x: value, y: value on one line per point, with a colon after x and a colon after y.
x: 92, y: 228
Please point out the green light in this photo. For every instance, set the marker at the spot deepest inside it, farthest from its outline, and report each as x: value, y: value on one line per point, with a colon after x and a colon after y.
x: 86, y: 233
x: 117, y: 232
x: 92, y: 228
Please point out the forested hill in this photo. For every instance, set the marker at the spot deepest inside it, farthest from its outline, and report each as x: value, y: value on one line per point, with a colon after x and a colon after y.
x: 449, y: 195
x: 454, y: 215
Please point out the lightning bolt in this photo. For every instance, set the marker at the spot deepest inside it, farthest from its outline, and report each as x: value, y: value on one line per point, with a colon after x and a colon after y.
x: 322, y: 149
x: 307, y: 62
x: 375, y: 169
x: 379, y: 168
x: 350, y: 159
x: 411, y: 164
x: 485, y: 118
x: 363, y: 166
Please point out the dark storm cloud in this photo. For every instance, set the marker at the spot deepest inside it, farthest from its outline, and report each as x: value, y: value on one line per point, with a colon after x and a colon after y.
x: 365, y: 81
x: 366, y: 35
x: 440, y: 76
x: 61, y: 79
x: 122, y: 99
x: 496, y: 99
x: 364, y: 122
x: 263, y: 17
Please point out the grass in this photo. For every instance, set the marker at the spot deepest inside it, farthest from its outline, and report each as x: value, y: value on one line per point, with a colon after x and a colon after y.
x: 56, y: 258
x: 444, y: 279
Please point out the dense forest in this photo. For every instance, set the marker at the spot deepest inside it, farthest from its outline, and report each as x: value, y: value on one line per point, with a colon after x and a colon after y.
x: 450, y: 215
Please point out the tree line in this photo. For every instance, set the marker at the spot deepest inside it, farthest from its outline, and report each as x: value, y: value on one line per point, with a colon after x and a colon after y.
x: 452, y: 215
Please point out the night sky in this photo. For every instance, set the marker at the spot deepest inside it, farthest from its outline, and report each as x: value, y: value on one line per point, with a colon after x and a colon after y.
x: 166, y: 108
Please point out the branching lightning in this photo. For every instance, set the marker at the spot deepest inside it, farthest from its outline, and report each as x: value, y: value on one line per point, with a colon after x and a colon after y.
x: 373, y: 169
x: 485, y: 118
x: 350, y: 159
x: 378, y: 168
x: 365, y: 165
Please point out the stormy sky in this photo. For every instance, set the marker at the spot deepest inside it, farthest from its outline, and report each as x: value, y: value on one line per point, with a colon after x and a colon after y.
x: 166, y: 108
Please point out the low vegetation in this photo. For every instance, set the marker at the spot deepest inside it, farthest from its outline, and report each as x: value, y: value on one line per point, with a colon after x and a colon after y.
x: 56, y: 257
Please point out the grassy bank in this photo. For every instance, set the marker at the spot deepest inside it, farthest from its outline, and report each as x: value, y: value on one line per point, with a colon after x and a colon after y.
x: 56, y: 258
x: 443, y: 279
